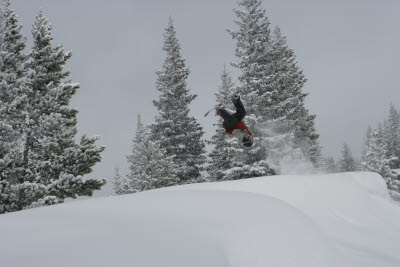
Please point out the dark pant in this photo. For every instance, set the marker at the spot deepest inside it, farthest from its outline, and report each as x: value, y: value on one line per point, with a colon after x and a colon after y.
x: 231, y: 119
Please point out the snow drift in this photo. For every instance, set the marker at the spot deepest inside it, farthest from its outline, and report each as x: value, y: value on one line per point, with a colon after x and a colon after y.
x: 342, y: 219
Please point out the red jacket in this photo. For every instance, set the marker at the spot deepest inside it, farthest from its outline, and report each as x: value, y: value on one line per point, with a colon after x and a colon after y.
x: 241, y: 126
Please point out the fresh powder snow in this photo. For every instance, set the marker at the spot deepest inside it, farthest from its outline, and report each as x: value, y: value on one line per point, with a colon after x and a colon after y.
x: 344, y: 219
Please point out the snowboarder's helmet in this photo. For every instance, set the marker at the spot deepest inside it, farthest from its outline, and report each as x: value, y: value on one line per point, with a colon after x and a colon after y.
x: 247, y: 142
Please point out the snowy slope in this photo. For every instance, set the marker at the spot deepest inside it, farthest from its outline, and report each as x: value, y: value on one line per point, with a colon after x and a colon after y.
x: 342, y: 219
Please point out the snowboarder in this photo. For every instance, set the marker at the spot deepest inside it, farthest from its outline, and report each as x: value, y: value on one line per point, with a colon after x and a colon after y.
x: 233, y: 123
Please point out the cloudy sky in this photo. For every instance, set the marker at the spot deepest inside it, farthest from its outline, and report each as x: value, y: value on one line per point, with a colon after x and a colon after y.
x: 349, y: 51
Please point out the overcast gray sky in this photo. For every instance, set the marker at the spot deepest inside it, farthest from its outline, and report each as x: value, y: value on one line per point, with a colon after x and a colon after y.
x: 349, y: 51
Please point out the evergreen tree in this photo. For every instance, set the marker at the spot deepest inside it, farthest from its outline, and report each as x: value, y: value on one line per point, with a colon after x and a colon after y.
x: 347, y: 163
x: 13, y: 94
x: 150, y: 165
x: 254, y: 61
x: 222, y: 157
x: 174, y: 129
x: 330, y: 165
x: 271, y: 84
x: 366, y: 142
x: 375, y: 158
x: 120, y: 186
x: 15, y: 194
x: 392, y: 134
x: 52, y: 162
x: 51, y: 151
x: 288, y: 106
x: 381, y: 153
x: 291, y: 132
x: 394, y: 184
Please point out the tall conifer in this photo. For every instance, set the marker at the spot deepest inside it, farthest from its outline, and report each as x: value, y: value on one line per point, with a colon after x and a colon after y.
x: 51, y: 151
x: 347, y: 162
x: 225, y: 148
x: 255, y: 63
x: 271, y: 86
x: 150, y: 165
x: 13, y: 94
x: 174, y: 129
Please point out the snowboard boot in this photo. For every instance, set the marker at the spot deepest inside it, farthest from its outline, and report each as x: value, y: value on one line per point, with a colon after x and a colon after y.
x: 236, y: 96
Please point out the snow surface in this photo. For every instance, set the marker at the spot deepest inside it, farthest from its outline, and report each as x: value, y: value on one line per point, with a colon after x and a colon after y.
x: 344, y: 219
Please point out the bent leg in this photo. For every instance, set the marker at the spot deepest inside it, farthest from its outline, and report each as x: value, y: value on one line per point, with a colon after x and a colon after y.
x: 240, y: 111
x: 224, y: 114
x: 229, y: 119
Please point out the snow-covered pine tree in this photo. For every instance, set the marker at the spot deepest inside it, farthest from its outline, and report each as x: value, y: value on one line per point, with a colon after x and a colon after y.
x: 330, y: 165
x: 222, y: 156
x: 287, y: 122
x: 15, y: 192
x: 394, y: 184
x: 150, y: 165
x: 119, y: 183
x: 271, y: 86
x: 174, y: 129
x: 392, y: 135
x: 254, y: 61
x: 367, y: 138
x: 381, y: 152
x: 287, y: 98
x: 53, y: 162
x: 347, y: 163
x: 13, y: 94
x: 277, y: 129
x: 375, y: 158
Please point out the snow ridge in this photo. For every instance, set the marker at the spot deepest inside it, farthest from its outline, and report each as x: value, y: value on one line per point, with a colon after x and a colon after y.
x: 345, y: 219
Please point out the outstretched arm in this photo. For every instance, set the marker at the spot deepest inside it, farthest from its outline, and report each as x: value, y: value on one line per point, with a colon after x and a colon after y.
x: 247, y: 130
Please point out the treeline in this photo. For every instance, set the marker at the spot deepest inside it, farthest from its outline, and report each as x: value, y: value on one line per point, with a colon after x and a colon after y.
x: 171, y: 151
x: 40, y: 161
x: 381, y: 151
